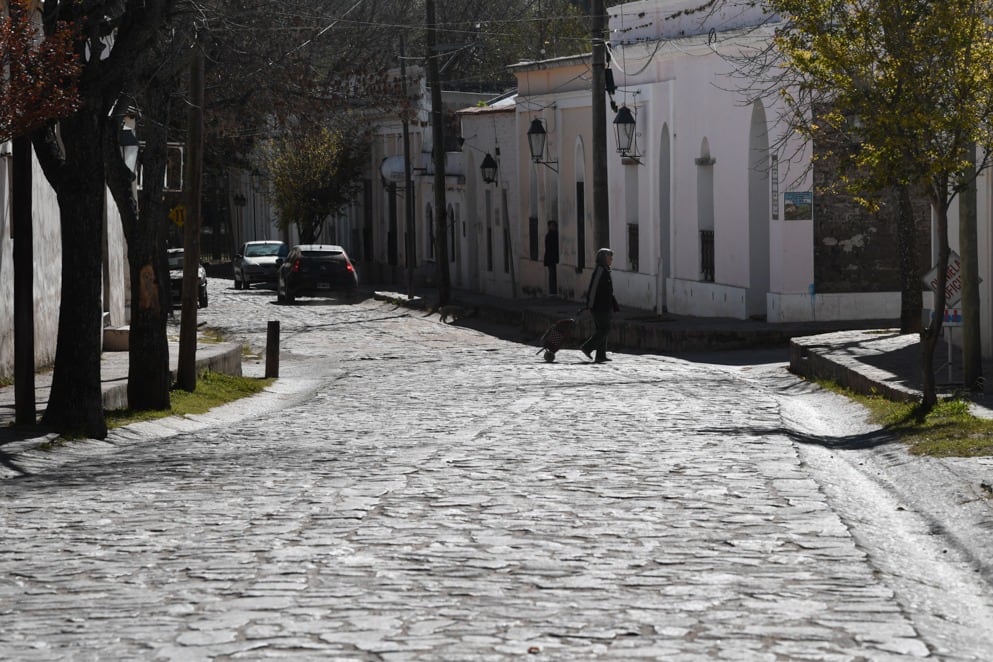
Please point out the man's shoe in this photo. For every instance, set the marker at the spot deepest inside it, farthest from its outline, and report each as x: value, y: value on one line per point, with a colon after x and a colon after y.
x: 587, y: 352
x: 602, y: 359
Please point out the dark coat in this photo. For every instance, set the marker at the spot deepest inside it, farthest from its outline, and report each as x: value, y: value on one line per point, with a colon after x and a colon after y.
x: 552, y: 248
x: 600, y: 295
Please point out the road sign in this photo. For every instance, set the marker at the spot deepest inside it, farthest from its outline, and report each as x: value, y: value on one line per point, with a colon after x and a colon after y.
x: 178, y: 215
x: 953, y: 279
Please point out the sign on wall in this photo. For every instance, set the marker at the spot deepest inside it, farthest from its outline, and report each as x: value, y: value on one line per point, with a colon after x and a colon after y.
x: 798, y: 206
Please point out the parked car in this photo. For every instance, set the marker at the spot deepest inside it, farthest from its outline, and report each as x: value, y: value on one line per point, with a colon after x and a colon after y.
x: 316, y: 270
x: 257, y: 262
x: 175, y: 256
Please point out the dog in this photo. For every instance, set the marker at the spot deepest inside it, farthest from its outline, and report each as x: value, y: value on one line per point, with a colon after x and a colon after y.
x: 453, y: 312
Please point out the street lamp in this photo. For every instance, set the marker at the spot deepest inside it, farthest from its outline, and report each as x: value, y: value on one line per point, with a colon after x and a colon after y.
x: 129, y: 147
x: 489, y: 169
x: 624, y: 129
x: 537, y: 137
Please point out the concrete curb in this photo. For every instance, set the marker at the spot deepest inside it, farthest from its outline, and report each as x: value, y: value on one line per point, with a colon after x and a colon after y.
x: 214, y: 357
x: 841, y: 357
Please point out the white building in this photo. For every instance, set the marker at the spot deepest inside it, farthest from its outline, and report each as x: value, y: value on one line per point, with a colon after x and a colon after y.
x: 47, y: 276
x: 708, y: 218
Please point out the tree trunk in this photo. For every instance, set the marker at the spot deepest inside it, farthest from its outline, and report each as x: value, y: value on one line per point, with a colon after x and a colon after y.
x: 972, y: 354
x: 75, y: 404
x: 186, y: 373
x: 911, y: 295
x: 149, y: 378
x: 22, y: 218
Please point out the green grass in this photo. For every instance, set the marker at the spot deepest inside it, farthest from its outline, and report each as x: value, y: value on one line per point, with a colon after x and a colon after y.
x: 212, y: 390
x: 948, y: 430
x: 209, y: 334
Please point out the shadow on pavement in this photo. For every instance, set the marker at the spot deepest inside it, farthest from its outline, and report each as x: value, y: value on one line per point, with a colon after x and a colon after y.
x: 873, y: 439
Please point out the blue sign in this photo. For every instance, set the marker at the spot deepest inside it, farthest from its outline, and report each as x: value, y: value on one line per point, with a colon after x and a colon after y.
x: 798, y: 206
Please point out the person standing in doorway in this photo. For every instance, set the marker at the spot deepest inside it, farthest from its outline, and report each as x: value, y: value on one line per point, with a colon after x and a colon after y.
x: 552, y: 256
x: 601, y: 302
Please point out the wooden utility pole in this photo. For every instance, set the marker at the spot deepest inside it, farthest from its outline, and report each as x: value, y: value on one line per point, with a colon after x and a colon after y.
x: 410, y: 245
x: 601, y: 203
x: 438, y: 159
x: 186, y: 372
x: 25, y: 411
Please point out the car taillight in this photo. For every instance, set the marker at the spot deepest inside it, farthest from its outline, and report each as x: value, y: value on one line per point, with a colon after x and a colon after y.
x: 296, y: 265
x: 349, y: 267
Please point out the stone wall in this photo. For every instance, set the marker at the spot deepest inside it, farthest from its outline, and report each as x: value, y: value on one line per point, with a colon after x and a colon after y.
x: 855, y: 250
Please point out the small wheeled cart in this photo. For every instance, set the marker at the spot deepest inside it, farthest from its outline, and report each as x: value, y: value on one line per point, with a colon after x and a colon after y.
x: 556, y: 335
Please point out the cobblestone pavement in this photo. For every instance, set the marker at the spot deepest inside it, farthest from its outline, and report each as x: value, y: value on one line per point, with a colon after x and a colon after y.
x: 439, y: 493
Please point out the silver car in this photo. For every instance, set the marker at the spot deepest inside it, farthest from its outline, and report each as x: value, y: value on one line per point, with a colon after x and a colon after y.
x: 257, y: 263
x: 175, y: 258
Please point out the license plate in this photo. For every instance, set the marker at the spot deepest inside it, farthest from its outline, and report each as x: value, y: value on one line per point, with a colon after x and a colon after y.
x: 324, y: 286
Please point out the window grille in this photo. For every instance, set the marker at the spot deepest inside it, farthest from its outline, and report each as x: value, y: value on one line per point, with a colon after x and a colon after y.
x: 707, y: 256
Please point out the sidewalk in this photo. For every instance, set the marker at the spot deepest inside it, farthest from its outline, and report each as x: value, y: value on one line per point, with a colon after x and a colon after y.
x: 219, y: 357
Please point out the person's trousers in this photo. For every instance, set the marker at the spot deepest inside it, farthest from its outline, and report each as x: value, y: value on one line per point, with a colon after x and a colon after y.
x: 598, y: 341
x: 553, y: 280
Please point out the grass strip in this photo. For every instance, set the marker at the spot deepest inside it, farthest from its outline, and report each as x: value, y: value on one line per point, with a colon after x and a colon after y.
x: 948, y: 430
x: 213, y: 389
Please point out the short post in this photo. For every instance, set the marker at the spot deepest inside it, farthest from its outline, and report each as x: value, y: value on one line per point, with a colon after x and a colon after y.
x: 272, y: 349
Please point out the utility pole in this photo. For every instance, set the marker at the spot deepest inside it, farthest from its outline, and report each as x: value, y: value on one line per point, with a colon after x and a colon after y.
x: 21, y: 211
x: 186, y: 372
x: 601, y: 204
x: 410, y: 246
x: 438, y: 158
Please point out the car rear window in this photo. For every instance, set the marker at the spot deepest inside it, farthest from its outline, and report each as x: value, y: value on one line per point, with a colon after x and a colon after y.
x: 264, y: 250
x: 322, y: 253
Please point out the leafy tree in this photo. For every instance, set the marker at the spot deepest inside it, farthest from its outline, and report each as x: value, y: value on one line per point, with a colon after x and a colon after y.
x: 912, y: 80
x: 150, y: 90
x: 39, y: 72
x: 478, y: 39
x: 114, y: 41
x: 315, y: 173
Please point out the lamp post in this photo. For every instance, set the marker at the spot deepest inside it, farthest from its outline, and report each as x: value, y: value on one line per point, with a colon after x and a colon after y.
x: 129, y: 148
x: 488, y: 168
x: 537, y: 138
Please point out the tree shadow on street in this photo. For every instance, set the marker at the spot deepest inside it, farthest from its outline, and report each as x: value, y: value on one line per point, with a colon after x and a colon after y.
x: 861, y: 441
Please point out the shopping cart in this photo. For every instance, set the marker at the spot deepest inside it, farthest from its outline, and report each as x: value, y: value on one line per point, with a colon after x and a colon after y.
x: 556, y: 335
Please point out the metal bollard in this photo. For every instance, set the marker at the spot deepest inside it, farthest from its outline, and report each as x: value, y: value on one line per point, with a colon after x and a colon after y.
x: 272, y: 349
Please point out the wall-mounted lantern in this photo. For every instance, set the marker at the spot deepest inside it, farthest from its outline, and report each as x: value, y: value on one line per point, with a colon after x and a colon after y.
x: 489, y: 169
x: 537, y: 136
x: 129, y: 147
x: 624, y: 126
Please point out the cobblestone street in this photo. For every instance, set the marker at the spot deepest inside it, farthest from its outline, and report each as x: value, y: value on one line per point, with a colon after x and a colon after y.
x: 439, y: 493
